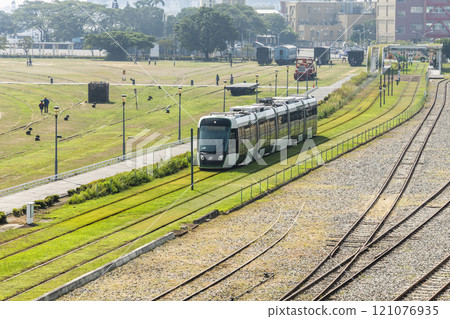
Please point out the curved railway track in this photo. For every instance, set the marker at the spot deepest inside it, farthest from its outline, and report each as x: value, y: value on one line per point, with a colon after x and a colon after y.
x: 363, y: 231
x: 196, y: 290
x: 431, y: 285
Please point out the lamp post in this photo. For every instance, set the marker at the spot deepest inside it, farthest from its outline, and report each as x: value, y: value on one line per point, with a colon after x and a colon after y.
x: 56, y: 109
x: 256, y: 76
x: 276, y: 77
x: 124, y: 100
x: 179, y: 112
x: 317, y: 71
x: 287, y: 80
x: 224, y: 88
x: 381, y: 91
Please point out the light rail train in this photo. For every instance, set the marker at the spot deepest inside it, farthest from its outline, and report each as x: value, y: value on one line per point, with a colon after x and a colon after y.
x: 246, y: 132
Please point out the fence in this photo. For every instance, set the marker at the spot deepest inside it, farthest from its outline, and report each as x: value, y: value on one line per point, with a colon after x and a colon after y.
x: 89, y: 168
x: 272, y: 182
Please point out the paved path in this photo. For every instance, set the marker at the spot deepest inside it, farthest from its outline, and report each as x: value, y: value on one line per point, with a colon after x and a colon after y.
x: 17, y: 200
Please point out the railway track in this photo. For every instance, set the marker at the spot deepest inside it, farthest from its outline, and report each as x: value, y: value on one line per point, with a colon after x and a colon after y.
x: 368, y: 225
x: 431, y: 285
x: 77, y: 249
x: 218, y: 272
x: 377, y: 117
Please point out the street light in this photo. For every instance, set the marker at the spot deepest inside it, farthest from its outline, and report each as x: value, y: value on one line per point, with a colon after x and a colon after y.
x: 278, y: 35
x: 287, y: 80
x: 179, y: 112
x: 276, y: 77
x: 224, y: 88
x: 422, y: 34
x: 124, y: 100
x: 256, y: 76
x: 56, y: 109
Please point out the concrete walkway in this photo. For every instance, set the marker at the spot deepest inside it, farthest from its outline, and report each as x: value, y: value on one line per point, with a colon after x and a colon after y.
x: 17, y: 200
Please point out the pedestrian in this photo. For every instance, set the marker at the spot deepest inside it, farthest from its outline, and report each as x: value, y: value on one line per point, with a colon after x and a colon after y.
x: 135, y: 60
x: 46, y: 103
x: 149, y: 60
x: 331, y: 63
x: 41, y: 106
x: 231, y: 79
x: 155, y: 62
x: 398, y: 78
x: 31, y: 62
x: 217, y: 79
x: 231, y: 62
x: 28, y: 62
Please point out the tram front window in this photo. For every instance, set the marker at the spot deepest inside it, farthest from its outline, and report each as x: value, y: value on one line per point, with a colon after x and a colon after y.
x: 213, y: 139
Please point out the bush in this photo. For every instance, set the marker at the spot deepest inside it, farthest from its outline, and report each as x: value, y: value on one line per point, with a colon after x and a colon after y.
x: 3, y: 218
x: 17, y: 212
x: 40, y: 204
x: 341, y: 96
x: 124, y: 181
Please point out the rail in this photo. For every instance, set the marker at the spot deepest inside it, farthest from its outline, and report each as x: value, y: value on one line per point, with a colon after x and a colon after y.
x: 274, y: 181
x: 89, y: 168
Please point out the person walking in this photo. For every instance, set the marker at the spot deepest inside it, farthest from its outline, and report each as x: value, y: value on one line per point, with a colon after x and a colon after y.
x: 46, y: 103
x: 41, y: 106
x: 231, y: 79
x: 217, y: 79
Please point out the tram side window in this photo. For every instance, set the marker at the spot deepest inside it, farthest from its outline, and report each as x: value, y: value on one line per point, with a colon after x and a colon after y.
x: 271, y: 129
x: 232, y: 144
x: 242, y: 147
x: 315, y: 110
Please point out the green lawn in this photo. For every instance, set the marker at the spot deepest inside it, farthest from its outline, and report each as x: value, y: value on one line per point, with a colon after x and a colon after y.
x: 95, y: 134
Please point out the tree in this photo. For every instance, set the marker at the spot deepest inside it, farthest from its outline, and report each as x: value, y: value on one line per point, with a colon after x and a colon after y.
x: 7, y: 25
x: 366, y: 30
x: 26, y: 44
x: 274, y: 22
x: 288, y: 36
x: 2, y: 43
x: 446, y: 47
x: 148, y: 3
x: 35, y: 14
x: 116, y: 43
x: 206, y: 30
x: 244, y: 19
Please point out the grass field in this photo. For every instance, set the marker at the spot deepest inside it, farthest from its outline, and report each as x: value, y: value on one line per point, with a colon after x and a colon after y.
x: 95, y: 134
x: 76, y: 239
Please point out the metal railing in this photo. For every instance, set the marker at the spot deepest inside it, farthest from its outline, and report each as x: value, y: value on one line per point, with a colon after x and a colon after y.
x: 272, y: 182
x: 89, y: 168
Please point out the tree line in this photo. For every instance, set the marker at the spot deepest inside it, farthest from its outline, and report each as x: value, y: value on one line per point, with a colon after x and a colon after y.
x: 194, y: 29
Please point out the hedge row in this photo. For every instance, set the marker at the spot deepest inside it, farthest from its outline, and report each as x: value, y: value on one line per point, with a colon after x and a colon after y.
x: 123, y: 181
x: 2, y: 218
x: 341, y: 96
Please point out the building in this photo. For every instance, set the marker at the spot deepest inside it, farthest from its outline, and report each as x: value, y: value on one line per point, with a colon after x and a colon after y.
x: 414, y: 20
x: 325, y: 22
x: 207, y: 3
x: 233, y: 2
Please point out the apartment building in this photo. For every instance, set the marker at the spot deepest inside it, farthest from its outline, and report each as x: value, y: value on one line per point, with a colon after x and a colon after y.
x: 324, y: 22
x: 415, y: 20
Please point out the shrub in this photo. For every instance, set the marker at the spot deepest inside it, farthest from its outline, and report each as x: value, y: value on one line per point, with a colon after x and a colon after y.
x: 17, y: 212
x: 3, y: 218
x: 341, y: 96
x: 39, y: 204
x: 123, y: 181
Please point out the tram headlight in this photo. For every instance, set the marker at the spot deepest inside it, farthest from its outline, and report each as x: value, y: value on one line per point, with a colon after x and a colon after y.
x: 220, y: 157
x: 202, y: 157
